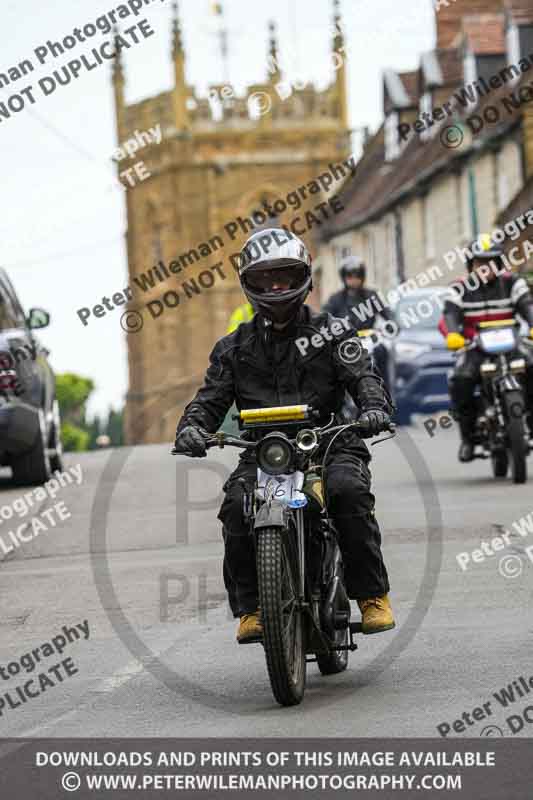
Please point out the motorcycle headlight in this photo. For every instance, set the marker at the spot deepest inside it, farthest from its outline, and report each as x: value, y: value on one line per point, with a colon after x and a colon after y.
x: 517, y: 365
x: 411, y: 350
x: 274, y: 454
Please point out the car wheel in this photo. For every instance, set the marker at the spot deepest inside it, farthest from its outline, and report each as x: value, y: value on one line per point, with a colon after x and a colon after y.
x: 55, y: 445
x: 33, y: 467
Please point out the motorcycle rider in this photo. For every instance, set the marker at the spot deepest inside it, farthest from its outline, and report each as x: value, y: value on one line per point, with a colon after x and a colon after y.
x: 260, y: 365
x: 488, y: 294
x: 355, y: 295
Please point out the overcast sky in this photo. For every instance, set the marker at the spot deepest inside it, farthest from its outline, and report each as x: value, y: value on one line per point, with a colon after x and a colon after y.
x: 63, y: 217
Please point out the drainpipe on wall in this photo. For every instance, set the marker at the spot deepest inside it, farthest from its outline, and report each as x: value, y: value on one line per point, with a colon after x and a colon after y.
x: 472, y: 200
x: 398, y: 233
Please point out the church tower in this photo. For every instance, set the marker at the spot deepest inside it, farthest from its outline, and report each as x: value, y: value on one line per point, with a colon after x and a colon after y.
x: 220, y: 159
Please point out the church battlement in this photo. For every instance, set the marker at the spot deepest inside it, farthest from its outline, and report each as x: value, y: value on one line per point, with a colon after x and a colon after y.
x: 273, y: 105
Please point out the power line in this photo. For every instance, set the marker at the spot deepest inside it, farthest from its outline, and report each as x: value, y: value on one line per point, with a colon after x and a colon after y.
x: 66, y: 254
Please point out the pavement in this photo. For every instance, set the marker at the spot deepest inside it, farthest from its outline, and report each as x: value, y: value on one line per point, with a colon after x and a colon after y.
x: 139, y: 560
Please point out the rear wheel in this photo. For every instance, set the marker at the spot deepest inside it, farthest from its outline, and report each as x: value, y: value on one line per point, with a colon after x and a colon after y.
x: 337, y: 660
x: 33, y: 467
x: 500, y: 463
x: 283, y: 628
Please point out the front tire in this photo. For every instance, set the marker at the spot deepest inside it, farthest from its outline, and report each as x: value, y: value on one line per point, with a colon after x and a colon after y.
x: 54, y: 440
x: 283, y: 626
x: 33, y: 467
x: 516, y: 433
x: 518, y: 451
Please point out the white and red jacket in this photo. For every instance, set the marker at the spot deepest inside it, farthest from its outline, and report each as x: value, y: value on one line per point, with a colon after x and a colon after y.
x: 502, y: 298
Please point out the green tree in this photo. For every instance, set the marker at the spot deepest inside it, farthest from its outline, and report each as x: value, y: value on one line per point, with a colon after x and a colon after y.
x: 72, y: 393
x: 94, y: 429
x: 115, y: 427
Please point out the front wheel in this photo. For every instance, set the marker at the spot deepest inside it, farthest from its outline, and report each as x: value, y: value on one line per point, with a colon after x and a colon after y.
x: 33, y: 467
x: 54, y: 440
x: 518, y: 450
x: 283, y: 625
x: 516, y: 436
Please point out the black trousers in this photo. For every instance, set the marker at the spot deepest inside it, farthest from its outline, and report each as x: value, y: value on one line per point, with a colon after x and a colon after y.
x: 466, y: 376
x: 351, y: 505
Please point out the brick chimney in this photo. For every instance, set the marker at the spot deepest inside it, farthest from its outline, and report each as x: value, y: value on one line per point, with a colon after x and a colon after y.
x: 448, y: 14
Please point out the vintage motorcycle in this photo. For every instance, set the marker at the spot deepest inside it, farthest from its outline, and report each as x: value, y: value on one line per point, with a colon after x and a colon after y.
x: 305, y: 610
x: 501, y: 426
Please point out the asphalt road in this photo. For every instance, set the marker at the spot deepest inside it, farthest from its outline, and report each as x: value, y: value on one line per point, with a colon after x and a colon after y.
x: 161, y: 659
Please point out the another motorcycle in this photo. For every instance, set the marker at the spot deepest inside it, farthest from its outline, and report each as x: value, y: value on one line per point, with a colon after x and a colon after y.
x: 305, y: 610
x: 501, y: 427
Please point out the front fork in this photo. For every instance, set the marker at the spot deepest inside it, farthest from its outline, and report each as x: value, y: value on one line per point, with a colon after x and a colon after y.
x: 300, y: 531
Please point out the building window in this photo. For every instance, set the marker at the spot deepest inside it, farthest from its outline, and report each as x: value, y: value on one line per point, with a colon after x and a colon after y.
x: 346, y: 252
x: 392, y: 139
x: 392, y: 277
x: 371, y: 253
x: 503, y: 194
x: 366, y: 257
x: 429, y: 232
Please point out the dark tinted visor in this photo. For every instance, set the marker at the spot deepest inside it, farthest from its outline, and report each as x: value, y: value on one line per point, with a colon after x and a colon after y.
x: 282, y: 278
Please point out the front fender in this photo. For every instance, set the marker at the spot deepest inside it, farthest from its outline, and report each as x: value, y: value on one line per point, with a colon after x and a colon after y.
x: 271, y: 515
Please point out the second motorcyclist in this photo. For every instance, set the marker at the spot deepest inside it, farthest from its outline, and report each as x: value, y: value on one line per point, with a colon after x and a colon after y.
x: 360, y: 305
x: 488, y: 294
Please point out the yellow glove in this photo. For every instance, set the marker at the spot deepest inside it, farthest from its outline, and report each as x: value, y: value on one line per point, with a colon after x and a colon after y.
x: 531, y: 333
x: 455, y: 341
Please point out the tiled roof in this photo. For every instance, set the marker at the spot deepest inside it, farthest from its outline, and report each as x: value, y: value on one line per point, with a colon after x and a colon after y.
x: 400, y: 90
x: 439, y: 69
x: 485, y: 33
x: 378, y: 186
x: 451, y: 66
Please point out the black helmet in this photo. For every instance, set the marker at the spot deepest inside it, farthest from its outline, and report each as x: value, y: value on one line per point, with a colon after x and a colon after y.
x: 352, y: 265
x: 267, y: 257
x: 483, y: 248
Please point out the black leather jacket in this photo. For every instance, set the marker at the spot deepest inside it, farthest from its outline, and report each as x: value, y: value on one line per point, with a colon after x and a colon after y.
x: 341, y: 304
x: 257, y: 367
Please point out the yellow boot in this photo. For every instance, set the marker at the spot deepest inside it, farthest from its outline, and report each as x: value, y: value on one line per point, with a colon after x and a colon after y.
x: 377, y: 614
x: 250, y: 628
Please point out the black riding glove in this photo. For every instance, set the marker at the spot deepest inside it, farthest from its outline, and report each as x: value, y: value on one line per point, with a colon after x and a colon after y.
x: 374, y: 421
x: 191, y: 439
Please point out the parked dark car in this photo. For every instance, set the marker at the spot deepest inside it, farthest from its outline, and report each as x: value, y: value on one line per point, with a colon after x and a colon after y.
x: 30, y: 432
x: 421, y: 361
